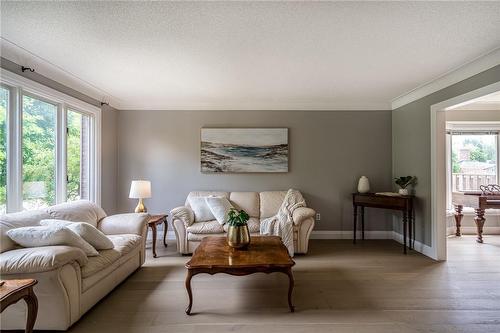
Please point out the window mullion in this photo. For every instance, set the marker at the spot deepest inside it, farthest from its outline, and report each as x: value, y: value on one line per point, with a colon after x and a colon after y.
x: 14, y: 152
x: 61, y: 143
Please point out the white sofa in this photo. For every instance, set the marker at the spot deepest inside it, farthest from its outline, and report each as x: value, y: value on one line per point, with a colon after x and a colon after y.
x: 69, y: 283
x: 259, y: 205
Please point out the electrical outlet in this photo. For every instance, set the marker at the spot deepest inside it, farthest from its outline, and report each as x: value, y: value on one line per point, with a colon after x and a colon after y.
x: 318, y: 216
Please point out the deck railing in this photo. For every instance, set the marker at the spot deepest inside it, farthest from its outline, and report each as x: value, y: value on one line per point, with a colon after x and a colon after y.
x: 471, y: 182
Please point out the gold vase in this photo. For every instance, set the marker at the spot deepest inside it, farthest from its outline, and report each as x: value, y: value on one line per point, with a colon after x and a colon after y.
x: 238, y: 237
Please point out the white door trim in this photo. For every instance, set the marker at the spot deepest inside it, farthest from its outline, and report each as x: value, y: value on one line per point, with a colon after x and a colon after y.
x: 438, y: 166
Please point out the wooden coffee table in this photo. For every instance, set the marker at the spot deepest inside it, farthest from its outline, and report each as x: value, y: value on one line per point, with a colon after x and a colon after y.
x: 266, y: 254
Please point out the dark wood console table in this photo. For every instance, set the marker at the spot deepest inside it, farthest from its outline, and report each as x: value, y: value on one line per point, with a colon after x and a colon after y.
x: 403, y: 203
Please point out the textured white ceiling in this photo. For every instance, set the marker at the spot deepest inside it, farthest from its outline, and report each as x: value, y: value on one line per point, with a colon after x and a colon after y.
x: 252, y: 55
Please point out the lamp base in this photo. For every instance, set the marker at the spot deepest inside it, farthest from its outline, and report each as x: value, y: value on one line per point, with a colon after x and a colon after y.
x: 140, y: 207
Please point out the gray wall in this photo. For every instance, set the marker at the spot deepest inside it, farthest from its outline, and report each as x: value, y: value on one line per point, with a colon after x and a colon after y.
x: 411, y: 147
x: 473, y: 115
x: 109, y: 153
x: 109, y: 134
x: 329, y: 151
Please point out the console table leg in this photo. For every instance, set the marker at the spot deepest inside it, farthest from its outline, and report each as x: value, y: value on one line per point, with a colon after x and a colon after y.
x: 362, y: 223
x: 32, y: 304
x: 479, y: 219
x: 190, y: 294
x: 458, y: 218
x: 354, y: 227
x: 290, y: 289
x: 410, y: 230
x: 404, y: 230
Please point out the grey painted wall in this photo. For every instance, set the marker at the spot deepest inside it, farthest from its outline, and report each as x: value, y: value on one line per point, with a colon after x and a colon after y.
x: 109, y: 153
x: 329, y: 151
x: 473, y: 115
x: 411, y: 150
x: 108, y: 126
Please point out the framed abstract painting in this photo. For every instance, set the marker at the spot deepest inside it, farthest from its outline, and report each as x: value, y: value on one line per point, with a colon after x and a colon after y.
x: 240, y: 150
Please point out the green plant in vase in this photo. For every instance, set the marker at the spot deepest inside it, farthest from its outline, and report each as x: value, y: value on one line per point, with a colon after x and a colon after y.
x: 404, y: 182
x: 238, y: 235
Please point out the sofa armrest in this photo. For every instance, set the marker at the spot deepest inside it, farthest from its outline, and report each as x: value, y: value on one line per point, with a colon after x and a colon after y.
x: 132, y: 223
x: 302, y: 213
x: 39, y: 259
x: 184, y: 214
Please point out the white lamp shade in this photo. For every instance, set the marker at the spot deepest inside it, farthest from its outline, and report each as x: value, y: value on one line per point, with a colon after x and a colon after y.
x: 140, y: 189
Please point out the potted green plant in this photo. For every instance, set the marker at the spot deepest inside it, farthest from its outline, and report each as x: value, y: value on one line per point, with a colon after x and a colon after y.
x: 404, y: 182
x: 238, y: 235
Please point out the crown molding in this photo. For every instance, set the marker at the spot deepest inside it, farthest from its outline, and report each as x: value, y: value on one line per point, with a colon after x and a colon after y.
x: 265, y: 106
x: 471, y: 68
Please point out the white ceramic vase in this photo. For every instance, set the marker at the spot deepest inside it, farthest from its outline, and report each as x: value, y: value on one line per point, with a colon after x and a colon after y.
x: 404, y: 191
x: 363, y: 185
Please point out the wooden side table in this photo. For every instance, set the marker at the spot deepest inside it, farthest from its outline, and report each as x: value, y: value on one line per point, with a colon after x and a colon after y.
x: 155, y: 220
x: 11, y: 291
x: 403, y: 203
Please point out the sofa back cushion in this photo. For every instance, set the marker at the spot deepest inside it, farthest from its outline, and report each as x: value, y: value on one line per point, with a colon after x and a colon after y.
x: 18, y: 220
x: 270, y: 203
x: 248, y: 201
x: 77, y: 211
x: 205, y: 194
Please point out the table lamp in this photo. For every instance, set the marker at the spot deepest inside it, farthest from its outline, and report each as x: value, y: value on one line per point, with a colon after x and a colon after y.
x: 140, y: 189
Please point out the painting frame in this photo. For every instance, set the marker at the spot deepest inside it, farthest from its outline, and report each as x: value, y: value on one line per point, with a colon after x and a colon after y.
x: 266, y: 152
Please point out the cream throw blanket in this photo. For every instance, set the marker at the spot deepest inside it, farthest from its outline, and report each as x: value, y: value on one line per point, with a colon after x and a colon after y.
x: 281, y: 224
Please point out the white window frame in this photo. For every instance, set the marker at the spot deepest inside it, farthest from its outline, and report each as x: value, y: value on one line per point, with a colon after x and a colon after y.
x: 468, y: 126
x: 18, y: 86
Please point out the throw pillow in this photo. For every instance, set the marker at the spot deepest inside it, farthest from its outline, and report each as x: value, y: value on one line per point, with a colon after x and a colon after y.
x: 200, y: 208
x: 91, y: 234
x: 48, y: 236
x: 220, y: 207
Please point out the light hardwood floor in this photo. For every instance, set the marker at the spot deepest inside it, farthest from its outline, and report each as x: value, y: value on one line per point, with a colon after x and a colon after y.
x: 371, y: 287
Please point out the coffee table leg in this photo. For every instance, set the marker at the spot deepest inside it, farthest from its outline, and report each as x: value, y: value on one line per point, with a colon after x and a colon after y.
x: 32, y: 303
x: 290, y: 289
x: 190, y: 294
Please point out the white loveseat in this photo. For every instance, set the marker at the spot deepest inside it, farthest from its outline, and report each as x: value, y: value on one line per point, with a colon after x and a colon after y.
x: 259, y: 205
x: 69, y: 282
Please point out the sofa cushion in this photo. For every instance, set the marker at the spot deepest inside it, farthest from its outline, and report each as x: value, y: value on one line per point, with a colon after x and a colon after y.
x: 37, y: 236
x: 200, y: 209
x: 91, y: 234
x: 123, y: 244
x: 220, y: 207
x: 208, y: 227
x: 39, y: 259
x: 248, y: 201
x: 205, y: 194
x: 270, y: 203
x: 17, y: 220
x: 199, y: 237
x: 253, y: 225
x: 77, y: 211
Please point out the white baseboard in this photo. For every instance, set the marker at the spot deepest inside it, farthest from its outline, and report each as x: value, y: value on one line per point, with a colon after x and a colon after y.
x: 338, y: 234
x: 419, y: 247
x: 473, y: 230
